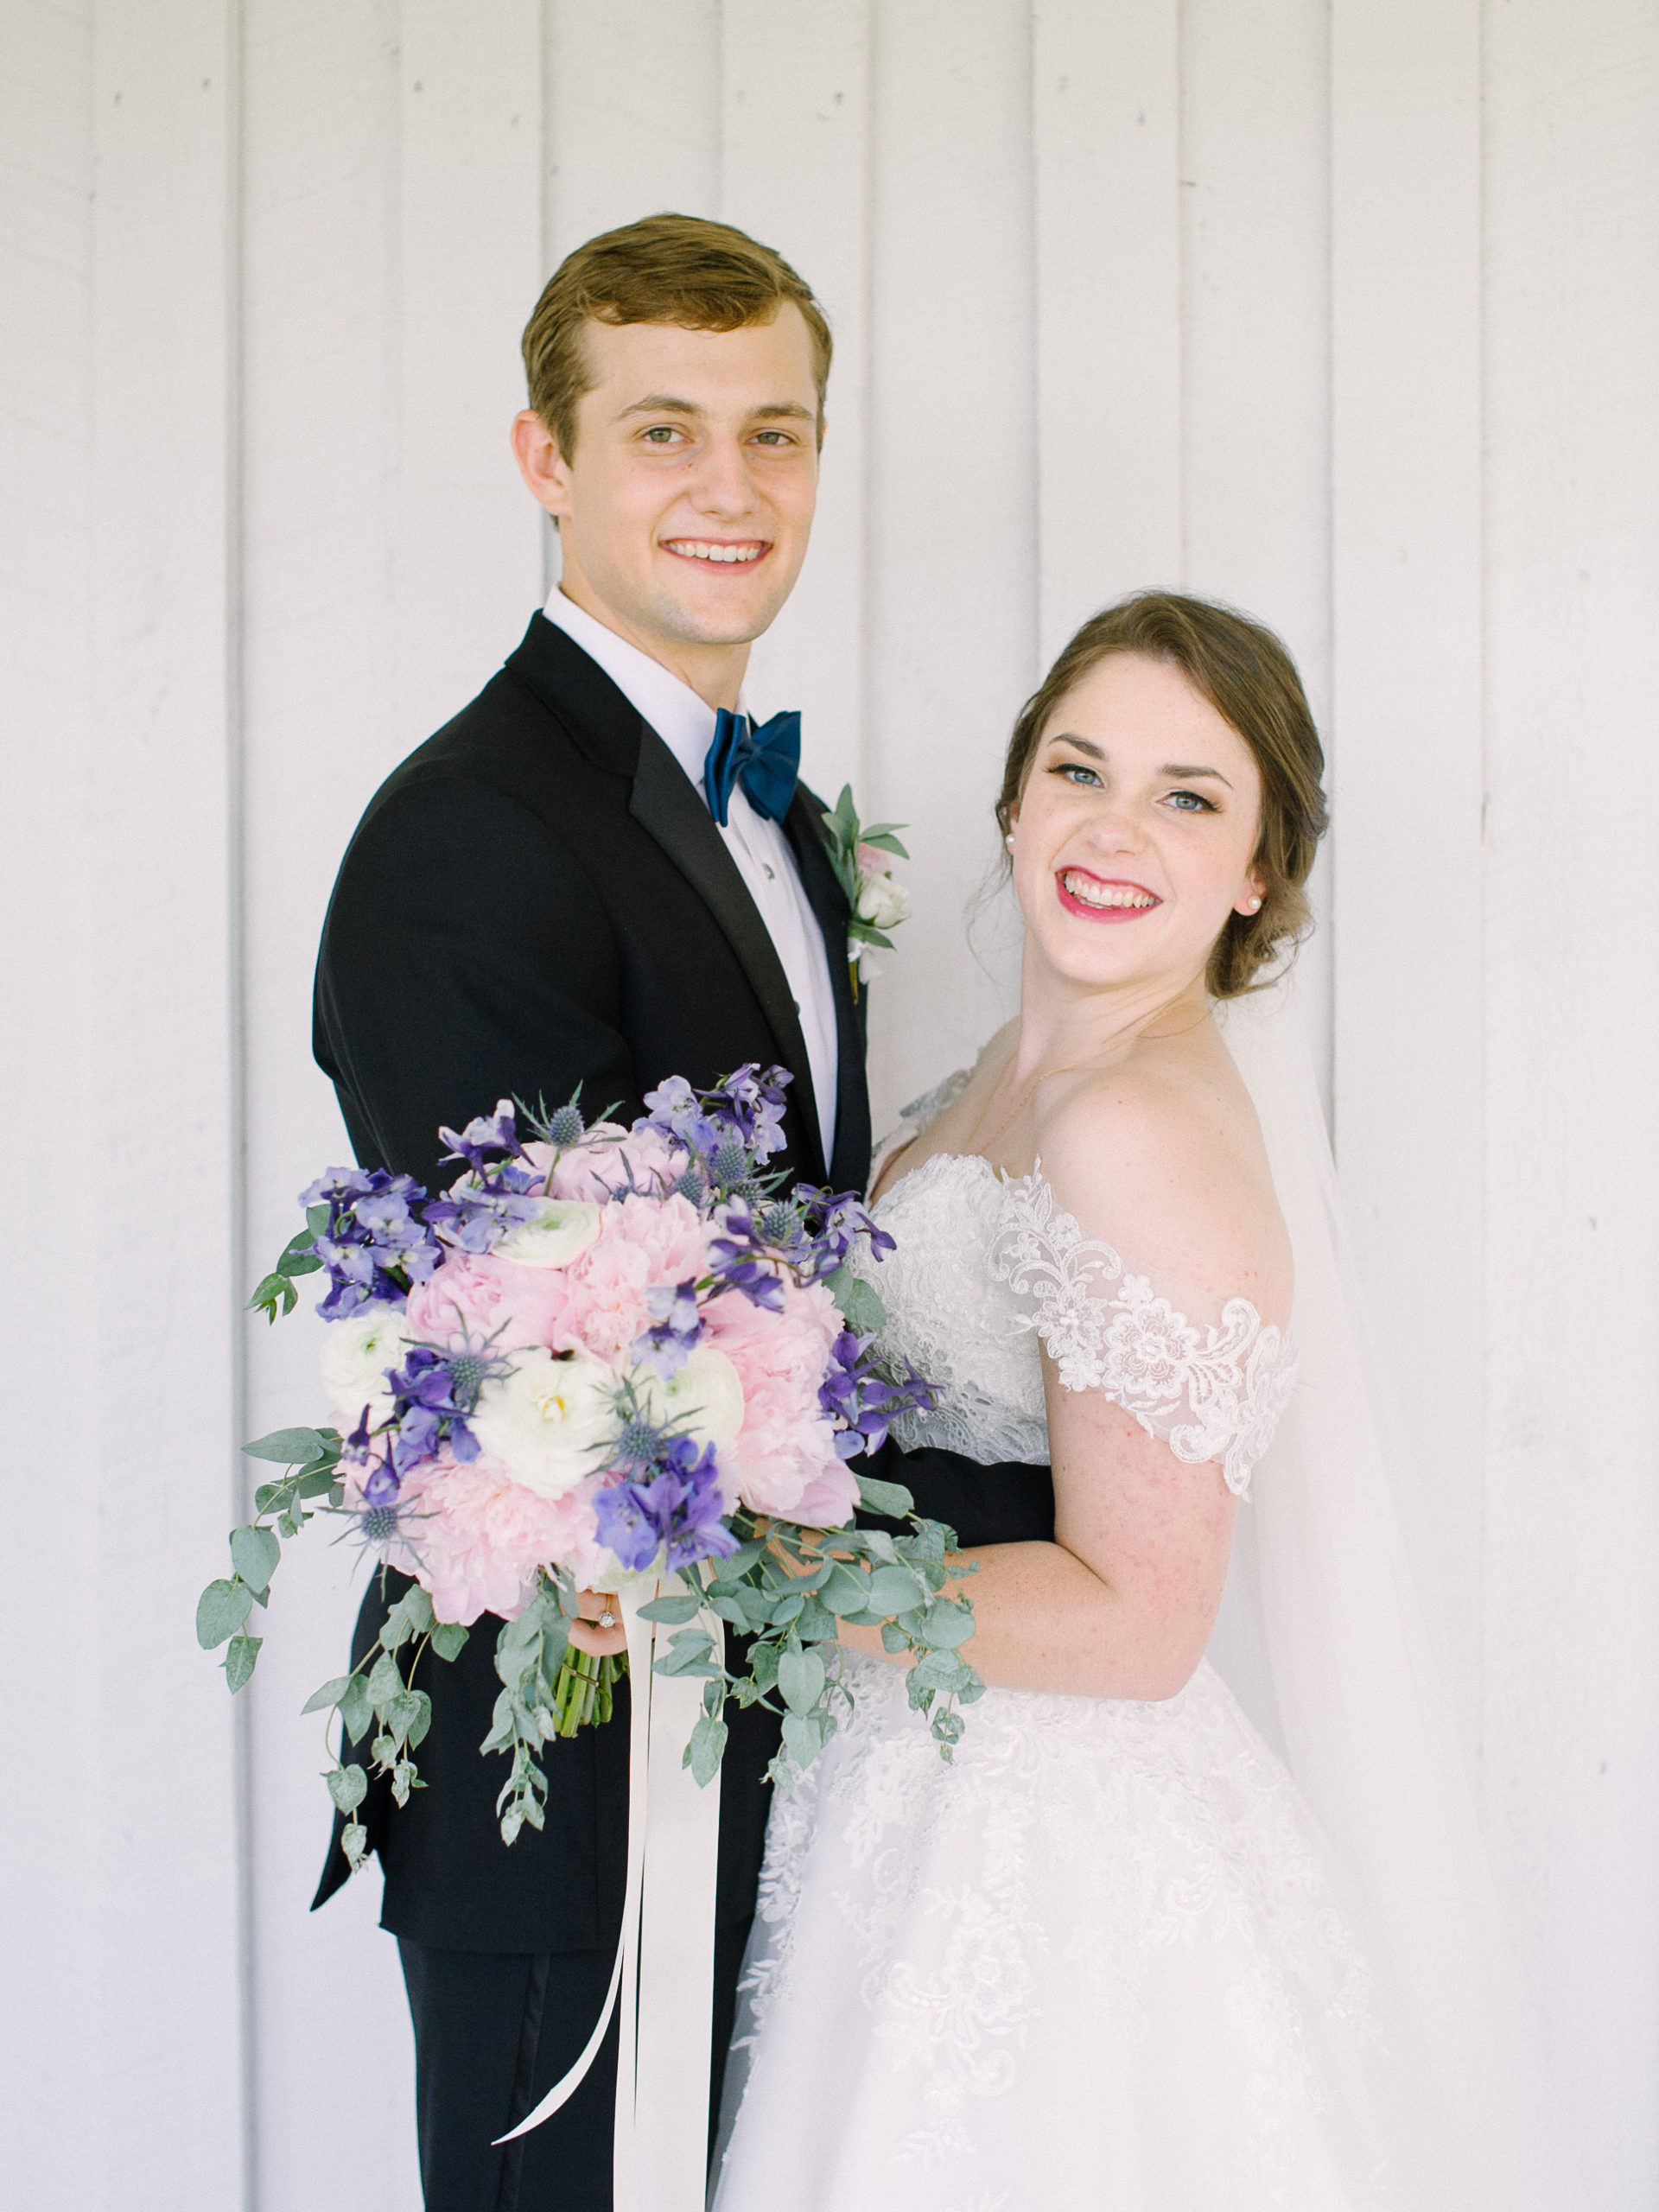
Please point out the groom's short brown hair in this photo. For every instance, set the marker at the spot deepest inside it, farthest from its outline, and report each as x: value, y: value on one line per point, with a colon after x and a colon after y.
x: 676, y: 269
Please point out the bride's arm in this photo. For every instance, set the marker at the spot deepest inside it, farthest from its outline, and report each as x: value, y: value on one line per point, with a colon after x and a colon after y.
x: 1122, y: 1602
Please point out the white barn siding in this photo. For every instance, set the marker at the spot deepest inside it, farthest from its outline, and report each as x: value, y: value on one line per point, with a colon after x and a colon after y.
x: 1348, y: 315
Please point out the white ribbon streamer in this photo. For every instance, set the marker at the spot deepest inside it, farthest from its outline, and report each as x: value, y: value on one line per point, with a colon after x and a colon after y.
x: 662, y: 1982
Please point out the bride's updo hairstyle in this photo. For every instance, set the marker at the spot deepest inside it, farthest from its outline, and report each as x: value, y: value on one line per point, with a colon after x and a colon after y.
x: 1250, y: 679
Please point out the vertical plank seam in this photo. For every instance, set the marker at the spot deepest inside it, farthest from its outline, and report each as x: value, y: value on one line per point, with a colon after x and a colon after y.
x: 863, y: 754
x: 234, y: 556
x: 1483, y: 1700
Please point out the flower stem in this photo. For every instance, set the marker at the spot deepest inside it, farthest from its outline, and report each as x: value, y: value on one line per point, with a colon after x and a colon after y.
x: 584, y: 1691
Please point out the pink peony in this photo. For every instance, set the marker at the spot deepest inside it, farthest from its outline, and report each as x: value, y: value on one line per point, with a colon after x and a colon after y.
x: 641, y: 1241
x: 477, y: 1294
x: 784, y: 1458
x: 479, y: 1539
x: 595, y: 1169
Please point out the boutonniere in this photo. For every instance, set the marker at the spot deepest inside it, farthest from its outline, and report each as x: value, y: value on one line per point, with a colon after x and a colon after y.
x: 859, y: 857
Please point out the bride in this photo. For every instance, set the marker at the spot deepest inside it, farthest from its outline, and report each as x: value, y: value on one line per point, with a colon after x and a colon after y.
x: 1112, y: 1956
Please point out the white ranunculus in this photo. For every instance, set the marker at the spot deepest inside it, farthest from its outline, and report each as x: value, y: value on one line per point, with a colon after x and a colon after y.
x: 705, y: 1400
x: 356, y: 1354
x: 881, y: 902
x: 560, y: 1231
x: 548, y: 1420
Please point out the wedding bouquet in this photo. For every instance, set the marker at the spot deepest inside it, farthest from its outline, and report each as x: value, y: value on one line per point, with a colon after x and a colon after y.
x: 603, y: 1355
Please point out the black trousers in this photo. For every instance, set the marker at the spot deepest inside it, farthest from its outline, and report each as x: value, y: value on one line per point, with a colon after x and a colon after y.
x: 493, y: 2032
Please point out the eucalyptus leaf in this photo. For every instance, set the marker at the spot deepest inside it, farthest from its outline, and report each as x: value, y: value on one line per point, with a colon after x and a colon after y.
x: 356, y: 1707
x: 861, y: 1305
x: 240, y: 1654
x: 449, y: 1639
x: 705, y: 1751
x: 273, y: 1295
x: 254, y: 1553
x: 800, y: 1679
x: 845, y: 1592
x: 401, y: 1713
x: 943, y: 1625
x: 384, y: 1681
x: 802, y: 1738
x: 894, y: 1590
x: 292, y: 1447
x: 348, y: 1786
x: 814, y: 1623
x: 220, y: 1611
x: 892, y: 1499
x: 329, y: 1695
x: 674, y: 1610
x: 938, y: 1671
x: 354, y: 1841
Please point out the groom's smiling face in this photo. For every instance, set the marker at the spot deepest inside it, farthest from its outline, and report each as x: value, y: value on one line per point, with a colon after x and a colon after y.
x: 685, y: 508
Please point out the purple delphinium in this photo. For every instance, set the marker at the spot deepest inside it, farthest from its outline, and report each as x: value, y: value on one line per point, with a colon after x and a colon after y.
x: 432, y: 1394
x: 674, y: 1110
x: 730, y: 1132
x: 677, y: 1325
x: 857, y: 1392
x: 500, y: 1189
x: 835, y: 1221
x: 674, y: 1505
x: 740, y: 1258
x: 373, y: 1246
x: 752, y: 1101
x: 485, y: 1134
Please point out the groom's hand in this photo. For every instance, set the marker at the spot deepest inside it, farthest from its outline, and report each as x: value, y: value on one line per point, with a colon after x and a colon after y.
x: 587, y: 1634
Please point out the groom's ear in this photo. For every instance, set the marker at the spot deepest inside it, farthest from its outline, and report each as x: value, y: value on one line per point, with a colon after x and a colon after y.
x: 544, y: 468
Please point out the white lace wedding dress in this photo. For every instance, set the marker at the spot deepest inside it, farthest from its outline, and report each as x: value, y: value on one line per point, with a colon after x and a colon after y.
x: 1103, y: 1959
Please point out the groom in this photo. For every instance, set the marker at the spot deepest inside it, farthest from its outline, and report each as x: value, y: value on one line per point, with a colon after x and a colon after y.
x: 547, y: 894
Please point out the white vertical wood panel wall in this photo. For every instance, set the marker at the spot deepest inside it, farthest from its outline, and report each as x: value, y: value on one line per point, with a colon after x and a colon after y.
x: 1345, y: 312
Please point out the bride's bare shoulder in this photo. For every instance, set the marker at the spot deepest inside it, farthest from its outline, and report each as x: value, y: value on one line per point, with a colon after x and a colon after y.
x: 1162, y: 1156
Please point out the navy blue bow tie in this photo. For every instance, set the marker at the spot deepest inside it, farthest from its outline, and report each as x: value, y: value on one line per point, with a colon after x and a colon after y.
x: 765, y: 761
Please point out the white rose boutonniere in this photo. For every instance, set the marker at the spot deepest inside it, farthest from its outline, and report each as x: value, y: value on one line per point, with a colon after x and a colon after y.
x: 862, y: 866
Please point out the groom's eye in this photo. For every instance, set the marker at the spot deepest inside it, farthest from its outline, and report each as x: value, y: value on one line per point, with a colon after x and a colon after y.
x: 663, y: 434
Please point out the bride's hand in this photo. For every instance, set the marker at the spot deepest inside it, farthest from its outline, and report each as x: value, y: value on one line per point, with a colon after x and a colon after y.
x: 587, y: 1634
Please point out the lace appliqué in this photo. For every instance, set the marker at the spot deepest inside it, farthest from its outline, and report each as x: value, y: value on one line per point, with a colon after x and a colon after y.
x: 1210, y: 1393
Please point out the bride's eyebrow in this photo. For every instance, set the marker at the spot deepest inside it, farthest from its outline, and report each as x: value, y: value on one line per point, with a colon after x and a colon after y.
x: 1186, y: 771
x: 1188, y: 774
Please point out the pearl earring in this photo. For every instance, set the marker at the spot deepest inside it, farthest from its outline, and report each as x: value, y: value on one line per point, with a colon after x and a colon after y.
x: 1253, y: 907
x: 1008, y: 841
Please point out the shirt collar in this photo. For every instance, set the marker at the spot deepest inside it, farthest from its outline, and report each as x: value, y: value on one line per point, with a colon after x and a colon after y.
x: 683, y: 722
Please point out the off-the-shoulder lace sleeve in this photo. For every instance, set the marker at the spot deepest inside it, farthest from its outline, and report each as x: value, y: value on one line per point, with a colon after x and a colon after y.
x: 1210, y: 1389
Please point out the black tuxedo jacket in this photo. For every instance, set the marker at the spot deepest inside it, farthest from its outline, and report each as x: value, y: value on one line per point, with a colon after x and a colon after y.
x: 537, y: 898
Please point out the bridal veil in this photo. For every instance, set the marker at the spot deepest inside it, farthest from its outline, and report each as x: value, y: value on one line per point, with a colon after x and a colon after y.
x: 1322, y: 1639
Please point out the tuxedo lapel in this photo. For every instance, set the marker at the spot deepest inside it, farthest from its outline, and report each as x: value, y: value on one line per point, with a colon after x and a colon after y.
x: 802, y: 826
x: 666, y: 804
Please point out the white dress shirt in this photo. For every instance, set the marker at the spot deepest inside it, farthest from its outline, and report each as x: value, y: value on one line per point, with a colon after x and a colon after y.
x: 764, y: 862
